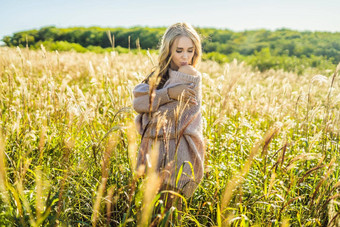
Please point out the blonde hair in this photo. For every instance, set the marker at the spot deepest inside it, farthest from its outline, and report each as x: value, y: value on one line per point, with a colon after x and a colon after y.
x: 171, y: 34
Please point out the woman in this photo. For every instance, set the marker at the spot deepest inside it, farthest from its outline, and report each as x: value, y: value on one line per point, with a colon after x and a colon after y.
x: 171, y: 115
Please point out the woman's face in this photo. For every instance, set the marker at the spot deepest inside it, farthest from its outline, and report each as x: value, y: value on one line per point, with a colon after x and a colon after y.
x: 182, y: 51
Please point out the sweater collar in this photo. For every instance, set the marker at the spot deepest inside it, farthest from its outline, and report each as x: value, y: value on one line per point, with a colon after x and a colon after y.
x: 184, y: 76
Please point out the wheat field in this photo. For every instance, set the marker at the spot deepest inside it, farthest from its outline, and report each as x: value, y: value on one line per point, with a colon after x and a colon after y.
x: 68, y: 144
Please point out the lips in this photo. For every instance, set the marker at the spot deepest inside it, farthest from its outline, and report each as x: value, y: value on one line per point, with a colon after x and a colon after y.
x: 183, y: 63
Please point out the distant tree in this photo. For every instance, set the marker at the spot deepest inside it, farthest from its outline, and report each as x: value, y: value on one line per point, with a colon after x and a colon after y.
x: 50, y: 33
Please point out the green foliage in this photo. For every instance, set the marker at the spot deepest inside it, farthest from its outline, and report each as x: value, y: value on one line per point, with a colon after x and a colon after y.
x: 285, y: 49
x: 98, y: 49
x: 215, y: 56
x: 60, y: 46
x: 93, y: 36
x: 263, y: 60
x: 66, y: 46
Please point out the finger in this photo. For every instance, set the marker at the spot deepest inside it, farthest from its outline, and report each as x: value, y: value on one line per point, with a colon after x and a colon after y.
x: 192, y: 98
x: 186, y: 95
x: 192, y: 92
x: 193, y: 101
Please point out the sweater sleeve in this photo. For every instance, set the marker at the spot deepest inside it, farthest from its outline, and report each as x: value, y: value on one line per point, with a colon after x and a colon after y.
x: 141, y: 98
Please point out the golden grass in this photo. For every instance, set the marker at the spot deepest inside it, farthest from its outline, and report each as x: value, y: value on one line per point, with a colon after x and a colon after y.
x: 59, y: 112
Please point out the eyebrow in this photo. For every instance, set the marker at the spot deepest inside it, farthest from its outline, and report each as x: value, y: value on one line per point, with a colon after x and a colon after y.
x: 183, y: 48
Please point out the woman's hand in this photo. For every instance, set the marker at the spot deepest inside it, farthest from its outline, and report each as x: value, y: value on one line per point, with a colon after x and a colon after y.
x: 188, y: 69
x: 185, y: 90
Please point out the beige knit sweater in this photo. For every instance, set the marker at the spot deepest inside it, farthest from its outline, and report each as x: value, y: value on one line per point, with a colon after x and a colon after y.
x: 174, y: 119
x: 163, y: 104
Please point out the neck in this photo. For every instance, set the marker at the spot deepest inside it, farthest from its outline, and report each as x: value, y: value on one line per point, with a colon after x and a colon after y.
x: 173, y: 66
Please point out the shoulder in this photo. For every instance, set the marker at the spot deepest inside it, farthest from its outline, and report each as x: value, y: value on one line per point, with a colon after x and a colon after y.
x: 188, y: 69
x: 141, y: 88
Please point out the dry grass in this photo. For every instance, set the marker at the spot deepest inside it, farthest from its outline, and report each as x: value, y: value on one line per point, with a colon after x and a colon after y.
x: 59, y: 166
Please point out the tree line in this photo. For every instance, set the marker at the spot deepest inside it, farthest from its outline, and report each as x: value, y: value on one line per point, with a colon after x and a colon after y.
x: 218, y: 44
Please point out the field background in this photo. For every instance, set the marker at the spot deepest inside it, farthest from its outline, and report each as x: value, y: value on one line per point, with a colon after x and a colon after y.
x: 68, y: 143
x: 287, y: 49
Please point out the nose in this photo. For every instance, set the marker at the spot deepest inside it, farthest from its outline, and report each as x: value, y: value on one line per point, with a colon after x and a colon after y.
x: 185, y: 55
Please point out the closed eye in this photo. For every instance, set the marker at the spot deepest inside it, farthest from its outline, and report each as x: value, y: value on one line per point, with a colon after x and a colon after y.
x: 179, y: 51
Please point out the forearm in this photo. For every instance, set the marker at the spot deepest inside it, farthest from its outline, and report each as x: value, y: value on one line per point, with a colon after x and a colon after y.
x: 141, y: 101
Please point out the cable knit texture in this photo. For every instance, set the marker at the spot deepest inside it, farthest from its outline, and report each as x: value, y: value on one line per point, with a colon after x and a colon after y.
x: 177, y: 125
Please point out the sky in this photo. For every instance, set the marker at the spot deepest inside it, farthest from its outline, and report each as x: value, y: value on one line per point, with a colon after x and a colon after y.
x: 236, y: 15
